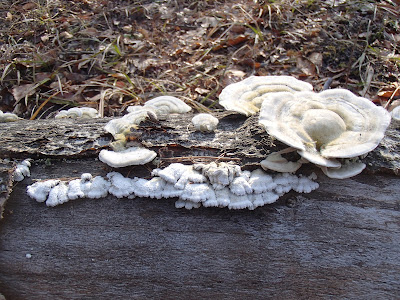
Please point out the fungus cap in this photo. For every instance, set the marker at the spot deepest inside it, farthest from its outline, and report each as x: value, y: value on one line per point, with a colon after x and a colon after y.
x: 165, y: 105
x: 276, y: 162
x: 8, y: 117
x: 205, y: 122
x: 128, y: 157
x: 322, y: 126
x: 246, y: 96
x: 395, y: 113
x: 78, y: 112
x: 347, y: 170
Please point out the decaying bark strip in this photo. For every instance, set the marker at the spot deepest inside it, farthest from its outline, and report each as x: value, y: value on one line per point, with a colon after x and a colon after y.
x: 237, y: 138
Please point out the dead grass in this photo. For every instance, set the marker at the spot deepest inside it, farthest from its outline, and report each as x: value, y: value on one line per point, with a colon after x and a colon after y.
x: 110, y: 54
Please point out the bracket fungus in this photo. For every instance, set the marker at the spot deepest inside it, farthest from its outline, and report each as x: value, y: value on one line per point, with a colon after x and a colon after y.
x: 325, y: 126
x: 276, y: 162
x: 8, y: 117
x: 395, y: 113
x: 205, y: 122
x: 119, y: 128
x: 78, y: 112
x: 22, y: 170
x: 246, y: 96
x: 165, y: 105
x: 210, y: 185
x: 128, y: 157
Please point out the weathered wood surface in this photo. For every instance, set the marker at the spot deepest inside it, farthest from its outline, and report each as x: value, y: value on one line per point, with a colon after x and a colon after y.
x: 340, y: 241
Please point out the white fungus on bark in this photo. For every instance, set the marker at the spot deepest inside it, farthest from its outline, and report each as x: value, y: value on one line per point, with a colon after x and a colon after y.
x: 205, y: 122
x: 246, y: 96
x: 8, y: 117
x: 22, y: 170
x: 326, y: 126
x: 78, y: 112
x: 128, y: 157
x: 166, y: 105
x: 235, y: 189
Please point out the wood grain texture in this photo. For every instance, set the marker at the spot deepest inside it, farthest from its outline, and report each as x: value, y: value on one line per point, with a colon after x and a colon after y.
x: 340, y: 241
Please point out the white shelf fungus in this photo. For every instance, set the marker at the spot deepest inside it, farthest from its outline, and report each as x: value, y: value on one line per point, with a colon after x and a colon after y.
x: 347, y: 169
x: 22, y: 170
x: 193, y: 186
x: 8, y: 117
x: 205, y: 122
x: 78, y: 112
x: 276, y: 162
x: 40, y: 190
x: 120, y: 125
x: 325, y: 126
x: 165, y: 105
x: 128, y: 157
x: 246, y: 96
x: 395, y: 113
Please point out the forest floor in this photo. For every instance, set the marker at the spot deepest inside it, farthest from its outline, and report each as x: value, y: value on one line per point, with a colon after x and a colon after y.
x: 55, y: 54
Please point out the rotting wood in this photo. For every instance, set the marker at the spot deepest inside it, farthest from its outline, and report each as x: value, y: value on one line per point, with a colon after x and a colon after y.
x: 339, y: 241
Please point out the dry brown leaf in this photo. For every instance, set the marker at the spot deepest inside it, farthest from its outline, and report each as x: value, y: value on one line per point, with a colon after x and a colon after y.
x: 23, y: 91
x: 28, y: 6
x: 306, y: 66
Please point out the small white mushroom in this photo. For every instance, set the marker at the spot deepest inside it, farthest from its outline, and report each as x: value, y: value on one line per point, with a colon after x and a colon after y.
x: 165, y: 105
x: 129, y: 157
x: 205, y: 122
x: 324, y: 126
x: 246, y: 96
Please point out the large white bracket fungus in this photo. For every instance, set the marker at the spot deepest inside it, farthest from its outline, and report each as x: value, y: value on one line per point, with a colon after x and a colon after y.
x: 325, y: 126
x: 210, y: 185
x: 205, y: 122
x: 78, y: 112
x: 246, y: 96
x: 128, y: 157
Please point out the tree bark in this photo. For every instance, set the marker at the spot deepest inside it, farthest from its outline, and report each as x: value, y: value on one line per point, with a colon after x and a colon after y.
x: 340, y: 241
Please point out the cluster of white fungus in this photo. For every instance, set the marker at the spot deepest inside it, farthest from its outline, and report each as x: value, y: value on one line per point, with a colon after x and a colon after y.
x: 78, y: 112
x: 210, y: 185
x: 55, y: 192
x: 154, y: 109
x: 330, y: 129
x: 22, y: 170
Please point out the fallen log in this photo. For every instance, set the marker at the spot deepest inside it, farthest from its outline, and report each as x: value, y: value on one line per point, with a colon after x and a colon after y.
x: 339, y: 241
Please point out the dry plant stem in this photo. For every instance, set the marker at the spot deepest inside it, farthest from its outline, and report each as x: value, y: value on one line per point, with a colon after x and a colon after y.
x: 33, y: 117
